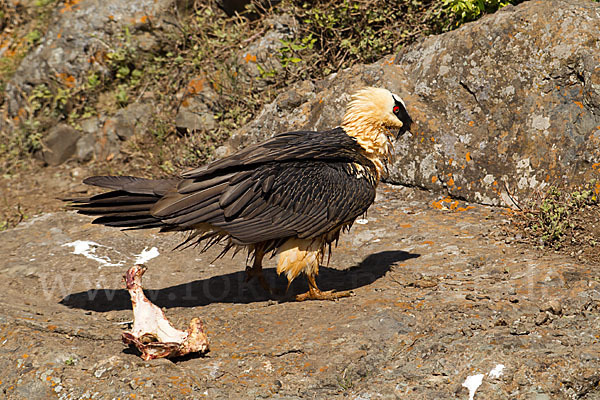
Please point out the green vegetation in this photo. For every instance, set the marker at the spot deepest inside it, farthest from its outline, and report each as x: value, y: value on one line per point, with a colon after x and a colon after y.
x: 18, y: 38
x: 461, y: 11
x: 21, y: 29
x: 10, y: 216
x: 562, y: 217
x: 203, y: 50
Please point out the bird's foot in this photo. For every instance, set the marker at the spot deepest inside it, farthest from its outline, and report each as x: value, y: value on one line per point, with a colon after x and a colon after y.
x: 254, y: 273
x: 316, y: 294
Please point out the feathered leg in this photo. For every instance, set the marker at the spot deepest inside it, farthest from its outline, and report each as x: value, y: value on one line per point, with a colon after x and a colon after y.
x: 255, y: 271
x: 304, y: 256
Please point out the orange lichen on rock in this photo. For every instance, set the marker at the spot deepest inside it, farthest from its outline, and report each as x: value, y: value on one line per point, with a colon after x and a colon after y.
x: 438, y: 204
x: 195, y: 86
x: 69, y: 80
x: 249, y: 58
x: 449, y: 205
x: 69, y: 4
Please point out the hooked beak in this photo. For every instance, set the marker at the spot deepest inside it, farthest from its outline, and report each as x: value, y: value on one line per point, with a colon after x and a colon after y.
x: 406, y: 125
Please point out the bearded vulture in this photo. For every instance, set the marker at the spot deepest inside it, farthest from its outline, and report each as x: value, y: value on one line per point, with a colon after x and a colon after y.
x: 290, y: 195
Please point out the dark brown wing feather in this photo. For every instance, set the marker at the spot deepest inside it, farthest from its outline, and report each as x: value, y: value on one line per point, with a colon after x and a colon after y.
x: 333, y: 145
x: 301, y: 199
x: 297, y: 184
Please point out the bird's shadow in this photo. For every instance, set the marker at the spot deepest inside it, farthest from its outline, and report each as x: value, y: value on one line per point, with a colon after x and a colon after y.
x: 232, y: 288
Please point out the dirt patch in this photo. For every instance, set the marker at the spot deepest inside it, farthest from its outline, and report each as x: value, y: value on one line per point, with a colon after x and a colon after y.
x: 438, y: 297
x: 35, y: 189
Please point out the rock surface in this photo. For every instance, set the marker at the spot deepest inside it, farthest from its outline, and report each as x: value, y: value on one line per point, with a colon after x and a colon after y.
x: 59, y: 145
x: 195, y: 113
x: 439, y: 297
x: 504, y: 106
x: 260, y: 60
x: 79, y: 36
x: 75, y: 41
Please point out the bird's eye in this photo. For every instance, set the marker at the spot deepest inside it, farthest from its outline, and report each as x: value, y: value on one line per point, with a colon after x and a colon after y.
x: 396, y: 109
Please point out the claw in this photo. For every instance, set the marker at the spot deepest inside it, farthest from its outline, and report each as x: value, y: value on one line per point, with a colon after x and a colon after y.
x: 319, y: 295
x: 314, y: 293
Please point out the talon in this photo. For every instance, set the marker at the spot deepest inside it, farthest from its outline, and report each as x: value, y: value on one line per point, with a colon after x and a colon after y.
x: 319, y: 295
x: 314, y: 293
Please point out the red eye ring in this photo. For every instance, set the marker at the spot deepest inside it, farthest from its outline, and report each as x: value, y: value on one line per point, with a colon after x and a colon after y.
x: 396, y: 109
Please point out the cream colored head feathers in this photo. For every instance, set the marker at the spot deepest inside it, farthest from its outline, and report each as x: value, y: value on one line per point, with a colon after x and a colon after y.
x: 369, y: 118
x: 372, y: 106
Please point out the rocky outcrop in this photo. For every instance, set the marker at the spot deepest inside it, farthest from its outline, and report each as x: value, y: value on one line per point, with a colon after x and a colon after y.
x: 504, y: 106
x: 262, y: 60
x: 513, y: 103
x: 79, y: 35
x: 59, y: 145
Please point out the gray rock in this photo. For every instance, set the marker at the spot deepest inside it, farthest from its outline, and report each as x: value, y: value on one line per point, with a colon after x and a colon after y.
x: 102, y: 136
x: 506, y: 105
x: 32, y: 389
x: 77, y: 33
x: 283, y: 114
x: 106, y: 141
x: 87, y: 143
x: 129, y: 120
x: 260, y: 61
x: 503, y: 106
x: 85, y: 147
x: 195, y: 112
x: 60, y: 144
x: 91, y: 125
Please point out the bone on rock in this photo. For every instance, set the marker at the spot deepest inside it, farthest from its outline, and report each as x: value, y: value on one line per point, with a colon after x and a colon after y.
x: 152, y: 333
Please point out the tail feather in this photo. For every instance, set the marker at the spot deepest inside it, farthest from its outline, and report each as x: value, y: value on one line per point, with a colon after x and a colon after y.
x: 132, y: 184
x: 132, y: 209
x: 118, y: 196
x: 130, y: 221
x: 128, y: 205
